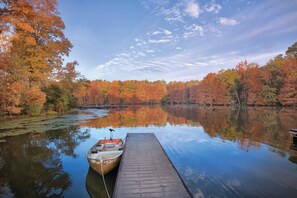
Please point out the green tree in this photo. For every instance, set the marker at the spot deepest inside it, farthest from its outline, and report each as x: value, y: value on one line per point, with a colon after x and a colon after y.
x: 68, y: 78
x: 292, y: 51
x: 56, y: 99
x: 231, y: 78
x: 269, y: 95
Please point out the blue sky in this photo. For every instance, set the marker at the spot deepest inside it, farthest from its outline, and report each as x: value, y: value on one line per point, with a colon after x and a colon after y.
x: 174, y: 40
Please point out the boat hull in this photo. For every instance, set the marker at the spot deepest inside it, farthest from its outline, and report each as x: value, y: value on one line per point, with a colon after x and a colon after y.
x: 106, y: 167
x: 105, y: 155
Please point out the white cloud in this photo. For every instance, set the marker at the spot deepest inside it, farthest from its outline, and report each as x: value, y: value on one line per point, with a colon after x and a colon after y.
x: 159, y: 41
x: 167, y: 32
x: 227, y: 22
x: 160, y: 31
x: 192, y: 9
x: 155, y: 33
x: 193, y: 30
x: 150, y: 51
x: 140, y: 54
x: 213, y: 7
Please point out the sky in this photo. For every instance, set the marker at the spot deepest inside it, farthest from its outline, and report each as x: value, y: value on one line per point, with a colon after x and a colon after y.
x: 174, y: 40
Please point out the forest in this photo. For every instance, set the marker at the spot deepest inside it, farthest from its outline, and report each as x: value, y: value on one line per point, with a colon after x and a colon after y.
x: 34, y: 78
x: 273, y: 84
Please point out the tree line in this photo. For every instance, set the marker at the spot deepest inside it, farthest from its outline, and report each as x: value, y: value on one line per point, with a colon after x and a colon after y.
x: 33, y: 78
x: 273, y: 84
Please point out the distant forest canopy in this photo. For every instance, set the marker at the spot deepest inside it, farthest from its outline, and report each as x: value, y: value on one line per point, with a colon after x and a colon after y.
x: 247, y: 84
x: 34, y: 80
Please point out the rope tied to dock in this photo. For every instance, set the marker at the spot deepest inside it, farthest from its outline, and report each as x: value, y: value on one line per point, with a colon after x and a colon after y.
x: 103, y: 178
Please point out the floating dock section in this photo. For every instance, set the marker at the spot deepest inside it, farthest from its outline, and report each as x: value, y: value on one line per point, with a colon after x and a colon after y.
x: 146, y: 171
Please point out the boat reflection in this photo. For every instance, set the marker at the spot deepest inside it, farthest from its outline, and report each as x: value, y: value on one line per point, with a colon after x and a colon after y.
x: 293, y: 158
x: 95, y: 186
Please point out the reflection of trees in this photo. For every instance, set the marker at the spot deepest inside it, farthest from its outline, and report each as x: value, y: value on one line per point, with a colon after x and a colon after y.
x: 251, y: 127
x: 32, y: 162
x: 130, y: 117
x: 248, y: 126
x: 181, y: 114
x: 216, y: 120
x: 143, y: 116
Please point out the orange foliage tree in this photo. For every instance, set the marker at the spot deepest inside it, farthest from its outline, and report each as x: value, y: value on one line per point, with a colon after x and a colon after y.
x: 288, y: 91
x: 35, y: 45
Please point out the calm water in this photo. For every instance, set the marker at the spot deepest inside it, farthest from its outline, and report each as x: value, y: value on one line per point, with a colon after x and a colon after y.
x: 219, y: 152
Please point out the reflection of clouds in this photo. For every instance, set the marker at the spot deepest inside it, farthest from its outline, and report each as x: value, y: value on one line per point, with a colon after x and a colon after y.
x: 177, y: 138
x: 195, y: 177
x: 201, y: 140
x: 198, y: 193
x: 189, y: 172
x: 233, y: 183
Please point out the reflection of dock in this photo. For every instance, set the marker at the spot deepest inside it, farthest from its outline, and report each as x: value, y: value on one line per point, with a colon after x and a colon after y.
x: 103, y: 106
x: 146, y: 171
x: 293, y: 132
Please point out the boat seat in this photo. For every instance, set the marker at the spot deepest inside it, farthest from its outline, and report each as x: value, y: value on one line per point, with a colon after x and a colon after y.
x: 93, y: 150
x: 109, y: 145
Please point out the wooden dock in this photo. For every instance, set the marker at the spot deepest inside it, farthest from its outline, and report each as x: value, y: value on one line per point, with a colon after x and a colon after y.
x: 146, y: 171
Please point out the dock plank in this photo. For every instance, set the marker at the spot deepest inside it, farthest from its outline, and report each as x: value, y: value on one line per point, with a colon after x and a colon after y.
x: 146, y: 171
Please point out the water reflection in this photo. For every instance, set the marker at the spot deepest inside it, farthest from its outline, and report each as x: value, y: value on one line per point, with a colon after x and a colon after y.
x: 218, y: 152
x: 248, y: 127
x: 95, y: 186
x: 31, y: 164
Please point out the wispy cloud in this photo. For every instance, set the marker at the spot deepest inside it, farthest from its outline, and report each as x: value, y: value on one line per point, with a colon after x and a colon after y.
x: 159, y: 32
x: 193, y: 30
x: 283, y: 23
x: 190, y: 46
x: 172, y: 14
x: 213, y: 7
x: 159, y: 41
x: 179, y: 66
x: 227, y: 22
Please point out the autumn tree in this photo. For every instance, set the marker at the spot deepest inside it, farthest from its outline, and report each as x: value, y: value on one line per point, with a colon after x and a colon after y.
x: 114, y: 93
x: 33, y: 100
x: 38, y: 42
x: 253, y: 84
x: 213, y: 91
x: 36, y: 47
x: 81, y: 94
x: 288, y: 91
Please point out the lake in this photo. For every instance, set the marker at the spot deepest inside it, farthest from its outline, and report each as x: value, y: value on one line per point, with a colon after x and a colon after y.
x: 218, y: 151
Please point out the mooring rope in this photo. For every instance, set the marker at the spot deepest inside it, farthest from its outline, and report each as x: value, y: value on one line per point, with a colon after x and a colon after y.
x: 103, y: 178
